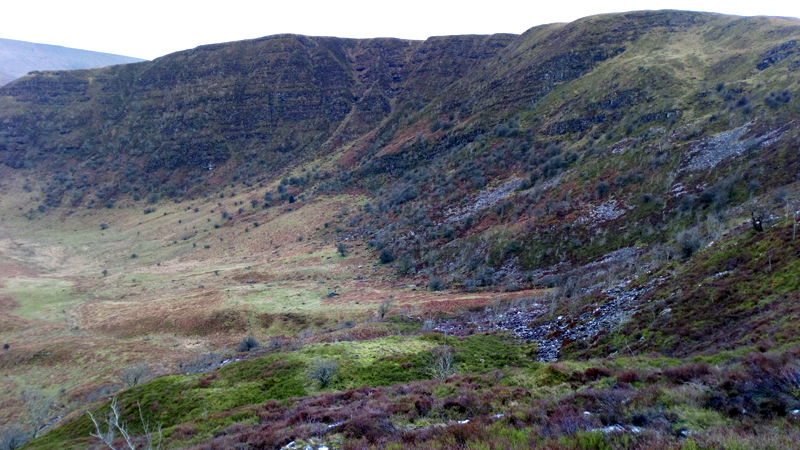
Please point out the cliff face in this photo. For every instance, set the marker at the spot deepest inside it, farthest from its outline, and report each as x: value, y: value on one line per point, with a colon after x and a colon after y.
x: 275, y: 99
x: 257, y: 107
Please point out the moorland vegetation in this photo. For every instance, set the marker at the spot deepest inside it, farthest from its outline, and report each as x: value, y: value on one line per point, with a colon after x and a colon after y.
x: 581, y: 237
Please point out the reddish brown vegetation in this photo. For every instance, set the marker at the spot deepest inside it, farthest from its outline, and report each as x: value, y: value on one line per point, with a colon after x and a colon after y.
x: 629, y: 376
x: 688, y: 372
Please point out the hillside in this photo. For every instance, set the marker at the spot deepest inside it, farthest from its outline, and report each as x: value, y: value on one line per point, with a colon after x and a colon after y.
x: 17, y: 58
x: 592, y: 226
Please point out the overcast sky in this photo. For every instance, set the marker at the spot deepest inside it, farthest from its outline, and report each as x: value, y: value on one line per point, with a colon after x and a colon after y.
x: 152, y: 28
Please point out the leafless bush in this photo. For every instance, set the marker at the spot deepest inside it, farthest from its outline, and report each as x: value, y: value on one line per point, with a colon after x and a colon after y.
x: 275, y: 343
x: 346, y: 324
x: 789, y: 380
x: 384, y: 308
x: 441, y: 363
x: 499, y: 306
x: 135, y: 374
x: 12, y: 437
x: 551, y: 300
x: 300, y: 341
x: 323, y: 371
x: 102, y: 391
x: 688, y: 242
x: 113, y: 426
x: 38, y: 405
x: 199, y: 363
x: 796, y: 222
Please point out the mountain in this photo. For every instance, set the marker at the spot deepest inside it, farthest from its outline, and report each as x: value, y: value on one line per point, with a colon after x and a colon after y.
x: 584, y: 236
x: 19, y: 57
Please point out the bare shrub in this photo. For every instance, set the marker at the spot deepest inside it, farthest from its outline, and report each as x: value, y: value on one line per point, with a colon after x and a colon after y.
x: 114, y: 426
x: 688, y: 242
x: 384, y: 308
x: 323, y: 371
x: 441, y: 363
x: 12, y: 437
x: 102, y: 391
x: 38, y: 405
x: 135, y: 374
x: 275, y: 343
x: 199, y: 363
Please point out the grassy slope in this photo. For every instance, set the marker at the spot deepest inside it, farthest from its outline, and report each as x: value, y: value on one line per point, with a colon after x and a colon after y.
x: 380, y: 396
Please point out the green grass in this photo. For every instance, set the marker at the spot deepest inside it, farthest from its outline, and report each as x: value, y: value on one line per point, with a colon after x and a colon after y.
x: 42, y: 298
x: 386, y: 361
x: 277, y: 297
x: 234, y: 394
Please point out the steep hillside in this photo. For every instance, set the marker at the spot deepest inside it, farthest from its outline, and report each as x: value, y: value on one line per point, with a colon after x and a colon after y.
x: 241, y: 108
x: 17, y: 58
x: 618, y: 194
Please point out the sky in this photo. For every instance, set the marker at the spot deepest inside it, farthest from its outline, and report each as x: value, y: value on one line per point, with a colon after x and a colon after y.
x: 151, y: 28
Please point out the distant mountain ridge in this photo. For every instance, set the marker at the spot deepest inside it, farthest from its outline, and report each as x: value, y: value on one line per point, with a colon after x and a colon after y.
x: 20, y: 57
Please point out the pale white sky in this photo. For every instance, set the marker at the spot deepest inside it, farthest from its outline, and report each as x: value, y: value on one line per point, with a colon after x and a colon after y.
x: 152, y: 28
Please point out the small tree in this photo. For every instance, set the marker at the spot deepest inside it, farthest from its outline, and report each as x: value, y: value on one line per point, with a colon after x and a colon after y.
x: 323, y: 371
x: 602, y: 189
x: 386, y: 256
x: 342, y: 249
x: 135, y: 374
x: 384, y: 308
